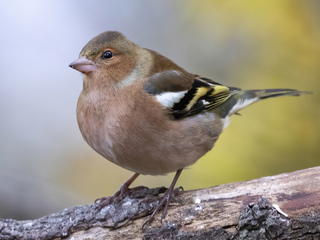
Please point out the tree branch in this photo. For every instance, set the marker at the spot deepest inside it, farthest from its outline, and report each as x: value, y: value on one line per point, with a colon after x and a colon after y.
x: 286, y: 206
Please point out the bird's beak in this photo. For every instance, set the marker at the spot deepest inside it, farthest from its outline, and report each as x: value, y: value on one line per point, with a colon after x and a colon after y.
x: 83, y: 65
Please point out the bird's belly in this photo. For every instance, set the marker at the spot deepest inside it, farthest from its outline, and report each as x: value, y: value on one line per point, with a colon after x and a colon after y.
x: 158, y: 151
x: 150, y: 145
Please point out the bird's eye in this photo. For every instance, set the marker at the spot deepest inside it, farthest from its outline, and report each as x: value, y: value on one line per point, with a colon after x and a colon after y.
x: 107, y: 54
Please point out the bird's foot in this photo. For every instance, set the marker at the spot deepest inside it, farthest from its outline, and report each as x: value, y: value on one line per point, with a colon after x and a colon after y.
x: 142, y: 192
x: 119, y: 195
x: 165, y: 202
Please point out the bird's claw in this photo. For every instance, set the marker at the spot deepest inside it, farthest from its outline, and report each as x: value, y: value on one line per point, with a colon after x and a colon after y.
x: 119, y: 195
x: 165, y: 202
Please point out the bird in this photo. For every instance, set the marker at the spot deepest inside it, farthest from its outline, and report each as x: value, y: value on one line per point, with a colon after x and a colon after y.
x: 143, y: 112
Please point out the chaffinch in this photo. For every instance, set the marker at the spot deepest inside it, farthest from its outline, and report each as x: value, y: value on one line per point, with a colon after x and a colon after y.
x: 143, y: 112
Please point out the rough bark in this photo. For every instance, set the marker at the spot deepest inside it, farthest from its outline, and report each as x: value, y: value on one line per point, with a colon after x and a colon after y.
x: 286, y: 206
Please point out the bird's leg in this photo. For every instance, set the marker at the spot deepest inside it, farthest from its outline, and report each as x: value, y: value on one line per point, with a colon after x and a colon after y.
x: 123, y: 190
x: 165, y: 199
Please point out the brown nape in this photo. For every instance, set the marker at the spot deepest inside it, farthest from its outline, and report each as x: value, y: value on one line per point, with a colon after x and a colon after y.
x: 166, y: 76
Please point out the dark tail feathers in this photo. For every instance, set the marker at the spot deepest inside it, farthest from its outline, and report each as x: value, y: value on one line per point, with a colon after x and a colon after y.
x: 245, y: 98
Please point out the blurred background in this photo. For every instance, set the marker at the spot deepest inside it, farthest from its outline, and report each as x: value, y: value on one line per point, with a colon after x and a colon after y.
x: 46, y: 166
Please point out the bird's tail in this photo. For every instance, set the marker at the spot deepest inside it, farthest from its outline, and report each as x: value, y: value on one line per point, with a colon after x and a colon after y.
x: 245, y: 98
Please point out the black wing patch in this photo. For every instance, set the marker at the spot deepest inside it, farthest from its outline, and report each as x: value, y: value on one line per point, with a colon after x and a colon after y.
x: 205, y: 94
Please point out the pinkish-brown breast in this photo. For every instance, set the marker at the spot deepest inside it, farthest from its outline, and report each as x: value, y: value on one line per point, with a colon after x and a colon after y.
x: 139, y: 135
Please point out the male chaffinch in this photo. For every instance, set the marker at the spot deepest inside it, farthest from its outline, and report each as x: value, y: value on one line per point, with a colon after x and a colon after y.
x: 141, y: 111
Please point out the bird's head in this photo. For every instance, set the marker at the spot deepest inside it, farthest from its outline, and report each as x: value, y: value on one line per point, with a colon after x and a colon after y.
x: 110, y: 54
